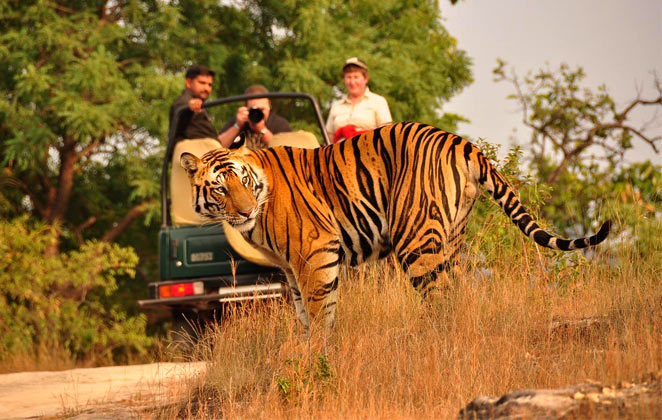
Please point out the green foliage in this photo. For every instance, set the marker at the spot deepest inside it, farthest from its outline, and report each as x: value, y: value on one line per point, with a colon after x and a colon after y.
x: 87, y: 87
x: 578, y: 140
x: 413, y: 61
x: 300, y: 378
x: 489, y: 230
x: 60, y: 301
x: 631, y: 197
x: 641, y: 182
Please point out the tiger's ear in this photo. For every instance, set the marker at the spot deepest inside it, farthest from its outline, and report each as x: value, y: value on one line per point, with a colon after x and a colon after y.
x: 190, y: 163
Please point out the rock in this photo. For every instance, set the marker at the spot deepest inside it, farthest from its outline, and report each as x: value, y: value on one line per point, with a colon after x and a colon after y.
x: 643, y: 400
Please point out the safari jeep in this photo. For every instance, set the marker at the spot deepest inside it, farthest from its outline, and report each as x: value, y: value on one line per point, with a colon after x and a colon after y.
x: 204, y: 266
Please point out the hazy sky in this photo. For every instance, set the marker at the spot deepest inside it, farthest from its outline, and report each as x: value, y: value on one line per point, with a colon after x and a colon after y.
x: 617, y: 42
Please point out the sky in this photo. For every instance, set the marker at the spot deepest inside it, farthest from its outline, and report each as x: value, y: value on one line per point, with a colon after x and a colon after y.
x: 618, y: 43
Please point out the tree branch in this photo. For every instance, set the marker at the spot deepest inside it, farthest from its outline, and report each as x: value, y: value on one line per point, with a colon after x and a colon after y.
x: 12, y: 181
x: 88, y: 150
x: 568, y: 158
x: 650, y: 141
x: 78, y: 231
x: 623, y: 115
x: 131, y: 216
x: 68, y: 158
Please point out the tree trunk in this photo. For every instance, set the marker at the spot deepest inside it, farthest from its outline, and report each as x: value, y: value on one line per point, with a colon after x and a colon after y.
x: 57, y: 207
x: 68, y: 159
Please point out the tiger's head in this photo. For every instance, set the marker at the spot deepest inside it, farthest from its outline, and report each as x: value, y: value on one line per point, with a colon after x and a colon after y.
x: 224, y: 187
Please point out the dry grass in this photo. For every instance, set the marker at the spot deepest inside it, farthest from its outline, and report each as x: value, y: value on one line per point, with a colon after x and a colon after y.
x: 57, y: 358
x: 42, y: 358
x: 395, y: 356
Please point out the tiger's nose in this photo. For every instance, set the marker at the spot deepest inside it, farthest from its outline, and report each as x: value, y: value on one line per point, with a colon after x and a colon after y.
x: 246, y: 212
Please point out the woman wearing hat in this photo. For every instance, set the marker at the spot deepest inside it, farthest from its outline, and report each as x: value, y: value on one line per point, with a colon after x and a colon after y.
x: 360, y: 110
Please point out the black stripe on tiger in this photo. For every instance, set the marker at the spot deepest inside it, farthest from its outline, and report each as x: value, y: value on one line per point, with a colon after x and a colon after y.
x: 507, y: 199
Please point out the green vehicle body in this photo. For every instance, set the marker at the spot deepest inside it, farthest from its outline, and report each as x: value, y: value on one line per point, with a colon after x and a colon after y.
x: 201, y: 255
x: 199, y: 251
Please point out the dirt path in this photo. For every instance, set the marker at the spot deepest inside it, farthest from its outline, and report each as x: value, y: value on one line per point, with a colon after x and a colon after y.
x: 29, y: 395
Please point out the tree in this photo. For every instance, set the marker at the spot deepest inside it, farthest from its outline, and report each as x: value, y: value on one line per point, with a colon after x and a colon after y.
x: 79, y: 321
x: 301, y: 45
x: 87, y: 86
x: 578, y: 141
x: 77, y: 85
x: 569, y: 120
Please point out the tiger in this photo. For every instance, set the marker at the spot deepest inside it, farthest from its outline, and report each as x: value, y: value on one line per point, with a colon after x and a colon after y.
x: 406, y: 188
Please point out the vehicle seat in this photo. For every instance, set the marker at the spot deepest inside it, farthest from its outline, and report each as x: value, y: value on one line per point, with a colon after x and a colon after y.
x: 180, y: 186
x: 302, y: 139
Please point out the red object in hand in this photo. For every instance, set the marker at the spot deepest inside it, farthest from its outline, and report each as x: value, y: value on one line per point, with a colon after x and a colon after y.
x: 346, y: 132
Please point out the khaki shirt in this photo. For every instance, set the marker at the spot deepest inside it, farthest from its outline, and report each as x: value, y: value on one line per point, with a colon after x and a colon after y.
x: 371, y: 112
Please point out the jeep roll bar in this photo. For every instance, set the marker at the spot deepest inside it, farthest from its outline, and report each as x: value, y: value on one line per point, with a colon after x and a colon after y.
x: 165, y: 208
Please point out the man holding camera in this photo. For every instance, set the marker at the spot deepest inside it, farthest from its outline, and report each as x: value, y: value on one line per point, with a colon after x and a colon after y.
x: 253, y: 119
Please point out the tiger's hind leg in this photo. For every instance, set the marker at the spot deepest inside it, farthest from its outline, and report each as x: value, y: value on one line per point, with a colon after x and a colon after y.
x: 429, y: 260
x: 430, y: 252
x: 430, y: 274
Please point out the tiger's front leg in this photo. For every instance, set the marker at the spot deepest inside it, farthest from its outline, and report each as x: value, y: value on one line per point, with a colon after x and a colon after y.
x: 297, y: 299
x: 317, y: 277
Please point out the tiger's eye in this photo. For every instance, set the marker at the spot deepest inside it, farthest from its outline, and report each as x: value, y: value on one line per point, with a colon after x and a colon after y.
x: 244, y: 180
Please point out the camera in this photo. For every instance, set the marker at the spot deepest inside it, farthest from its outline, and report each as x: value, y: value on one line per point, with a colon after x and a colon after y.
x: 255, y: 115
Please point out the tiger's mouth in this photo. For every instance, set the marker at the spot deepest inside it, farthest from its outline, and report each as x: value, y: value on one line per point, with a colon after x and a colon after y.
x: 244, y: 226
x: 242, y: 223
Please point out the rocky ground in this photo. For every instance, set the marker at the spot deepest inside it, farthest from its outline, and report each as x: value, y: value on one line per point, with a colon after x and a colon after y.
x: 642, y: 400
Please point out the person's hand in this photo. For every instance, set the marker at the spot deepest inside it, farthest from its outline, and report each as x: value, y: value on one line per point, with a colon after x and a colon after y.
x: 242, y: 116
x: 259, y: 126
x: 195, y: 105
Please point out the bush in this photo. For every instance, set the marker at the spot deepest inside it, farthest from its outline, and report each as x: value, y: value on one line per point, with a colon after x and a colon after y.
x: 57, y: 302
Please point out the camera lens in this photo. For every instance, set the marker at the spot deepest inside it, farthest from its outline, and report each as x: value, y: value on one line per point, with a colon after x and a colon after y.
x: 255, y: 115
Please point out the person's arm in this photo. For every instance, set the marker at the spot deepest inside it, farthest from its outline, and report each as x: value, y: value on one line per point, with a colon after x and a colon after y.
x: 383, y: 116
x: 229, y: 132
x: 233, y: 127
x: 184, y: 117
x: 261, y: 127
x: 330, y: 124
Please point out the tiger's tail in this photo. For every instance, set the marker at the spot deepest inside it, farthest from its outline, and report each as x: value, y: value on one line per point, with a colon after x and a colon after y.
x: 507, y: 199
